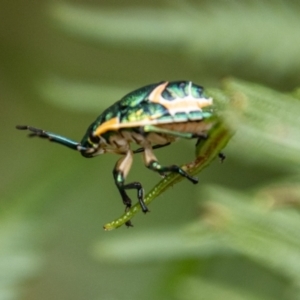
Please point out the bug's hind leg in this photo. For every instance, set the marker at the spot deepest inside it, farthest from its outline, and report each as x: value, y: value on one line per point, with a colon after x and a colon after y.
x: 222, y: 157
x: 152, y: 163
x: 120, y: 172
x: 201, y: 138
x: 204, y: 137
x: 156, y: 166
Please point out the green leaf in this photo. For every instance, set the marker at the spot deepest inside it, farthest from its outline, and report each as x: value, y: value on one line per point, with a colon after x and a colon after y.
x: 20, y: 256
x: 270, y: 237
x: 200, y: 289
x: 143, y: 26
x: 80, y: 96
x: 21, y: 238
x: 267, y: 123
x: 172, y: 243
x: 200, y: 31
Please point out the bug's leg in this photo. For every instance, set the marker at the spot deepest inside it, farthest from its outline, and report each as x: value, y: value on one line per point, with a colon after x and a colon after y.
x: 201, y: 138
x: 128, y: 224
x: 156, y: 166
x: 52, y: 137
x: 120, y: 172
x: 222, y: 156
x: 152, y: 163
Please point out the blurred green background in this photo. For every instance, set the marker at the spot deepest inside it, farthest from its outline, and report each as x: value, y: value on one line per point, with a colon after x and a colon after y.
x: 62, y: 64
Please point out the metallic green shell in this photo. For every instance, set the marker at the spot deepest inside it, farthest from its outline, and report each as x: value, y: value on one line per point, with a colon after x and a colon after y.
x: 136, y: 107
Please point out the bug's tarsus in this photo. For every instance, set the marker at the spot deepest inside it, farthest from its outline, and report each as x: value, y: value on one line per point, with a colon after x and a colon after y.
x: 162, y: 174
x: 33, y: 131
x: 201, y: 138
x: 222, y: 157
x: 155, y: 166
x: 52, y: 137
x: 22, y: 127
x: 128, y: 224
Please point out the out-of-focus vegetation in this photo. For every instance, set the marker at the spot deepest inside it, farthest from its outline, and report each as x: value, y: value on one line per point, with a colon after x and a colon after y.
x: 235, y: 235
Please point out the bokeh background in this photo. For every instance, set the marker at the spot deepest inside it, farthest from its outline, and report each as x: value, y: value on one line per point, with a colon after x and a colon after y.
x: 61, y: 64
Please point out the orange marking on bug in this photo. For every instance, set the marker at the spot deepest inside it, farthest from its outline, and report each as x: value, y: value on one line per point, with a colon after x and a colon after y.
x: 186, y: 104
x: 112, y: 124
x: 155, y: 95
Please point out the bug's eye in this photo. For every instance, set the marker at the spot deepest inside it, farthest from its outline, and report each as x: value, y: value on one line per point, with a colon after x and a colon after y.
x: 94, y: 139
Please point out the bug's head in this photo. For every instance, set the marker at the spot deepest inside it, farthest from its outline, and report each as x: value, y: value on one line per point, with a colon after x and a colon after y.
x: 91, y: 146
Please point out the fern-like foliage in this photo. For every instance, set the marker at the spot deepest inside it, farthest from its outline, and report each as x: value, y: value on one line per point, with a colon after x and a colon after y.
x: 236, y: 236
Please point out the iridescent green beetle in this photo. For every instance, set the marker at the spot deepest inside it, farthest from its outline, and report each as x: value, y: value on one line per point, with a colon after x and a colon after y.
x: 152, y: 117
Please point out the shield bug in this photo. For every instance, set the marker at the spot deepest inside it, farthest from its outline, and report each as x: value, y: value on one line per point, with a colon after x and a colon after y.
x: 151, y: 117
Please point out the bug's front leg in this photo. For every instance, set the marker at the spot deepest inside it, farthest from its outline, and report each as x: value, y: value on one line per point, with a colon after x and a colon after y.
x: 53, y: 137
x: 152, y: 163
x: 120, y: 172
